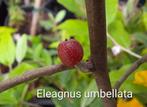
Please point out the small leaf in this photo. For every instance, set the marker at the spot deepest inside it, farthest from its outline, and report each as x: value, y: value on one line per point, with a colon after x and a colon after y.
x: 21, y: 48
x: 145, y: 19
x: 111, y: 10
x: 20, y: 69
x: 60, y: 15
x: 119, y: 33
x: 46, y: 57
x: 86, y: 101
x: 76, y: 7
x: 54, y: 44
x: 8, y: 98
x: 37, y: 52
x: 47, y: 25
x: 141, y: 37
x: 7, y: 46
x: 72, y: 27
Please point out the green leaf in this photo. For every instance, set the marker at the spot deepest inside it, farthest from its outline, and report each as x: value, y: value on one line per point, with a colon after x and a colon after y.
x: 7, y: 97
x: 37, y: 52
x: 96, y: 103
x: 60, y: 15
x: 60, y: 103
x: 145, y: 19
x: 141, y: 37
x: 21, y: 48
x: 72, y: 27
x: 6, y: 30
x: 118, y: 32
x: 20, y: 69
x: 20, y: 90
x: 111, y: 10
x: 35, y: 40
x: 46, y: 57
x: 75, y: 6
x: 7, y: 46
x: 46, y: 24
x: 141, y: 97
x: 86, y: 101
x: 135, y: 88
x: 54, y: 44
x: 144, y: 52
x: 115, y: 75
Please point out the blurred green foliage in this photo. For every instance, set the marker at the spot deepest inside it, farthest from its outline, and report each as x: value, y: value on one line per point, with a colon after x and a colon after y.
x: 29, y: 52
x: 7, y: 46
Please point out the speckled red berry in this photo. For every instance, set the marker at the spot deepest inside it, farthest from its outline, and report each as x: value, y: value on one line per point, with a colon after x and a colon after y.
x: 70, y: 52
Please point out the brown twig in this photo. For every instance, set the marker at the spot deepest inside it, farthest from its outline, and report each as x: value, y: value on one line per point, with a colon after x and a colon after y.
x: 44, y: 71
x: 98, y: 38
x: 130, y: 71
x: 30, y: 75
x: 35, y: 17
x: 27, y: 2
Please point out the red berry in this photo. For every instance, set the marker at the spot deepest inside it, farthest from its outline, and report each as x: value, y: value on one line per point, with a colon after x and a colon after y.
x: 70, y: 52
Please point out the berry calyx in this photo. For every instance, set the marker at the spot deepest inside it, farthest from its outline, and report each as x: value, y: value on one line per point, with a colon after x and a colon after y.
x: 70, y: 52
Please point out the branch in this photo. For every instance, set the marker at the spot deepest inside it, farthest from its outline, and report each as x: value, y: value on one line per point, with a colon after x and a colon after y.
x: 30, y: 75
x: 35, y: 17
x: 130, y: 71
x: 123, y: 48
x: 97, y: 34
x: 27, y: 2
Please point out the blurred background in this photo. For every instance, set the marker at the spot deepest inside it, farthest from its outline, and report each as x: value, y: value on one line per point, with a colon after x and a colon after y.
x: 30, y: 31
